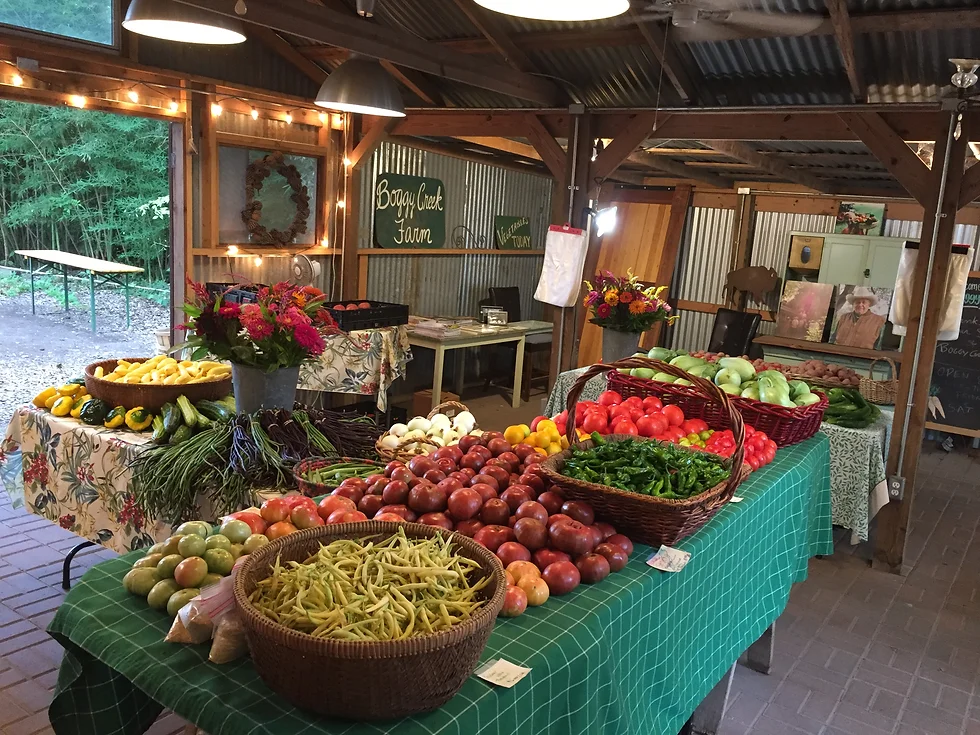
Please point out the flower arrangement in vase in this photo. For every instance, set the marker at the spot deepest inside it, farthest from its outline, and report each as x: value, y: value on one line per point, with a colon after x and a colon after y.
x: 624, y: 308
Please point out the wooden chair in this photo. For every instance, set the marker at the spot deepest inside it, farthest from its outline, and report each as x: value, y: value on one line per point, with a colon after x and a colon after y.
x: 509, y: 299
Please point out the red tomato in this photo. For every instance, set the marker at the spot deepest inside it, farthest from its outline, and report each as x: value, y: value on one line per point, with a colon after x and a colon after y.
x: 674, y: 415
x: 651, y: 404
x: 770, y: 444
x: 275, y: 510
x: 647, y: 426
x: 634, y: 401
x: 762, y: 435
x: 595, y: 422
x: 749, y: 431
x: 609, y: 398
x: 769, y: 455
x: 625, y: 426
x: 694, y: 426
x: 622, y: 409
x: 753, y: 462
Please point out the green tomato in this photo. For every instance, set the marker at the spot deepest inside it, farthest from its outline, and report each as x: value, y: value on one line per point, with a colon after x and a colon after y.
x: 705, y: 435
x: 160, y: 595
x: 170, y: 545
x: 191, y: 572
x: 684, y: 442
x: 236, y: 550
x: 236, y: 531
x: 211, y: 579
x: 156, y: 548
x: 192, y: 545
x: 150, y: 560
x: 140, y: 581
x: 168, y: 564
x: 179, y: 599
x: 218, y: 541
x: 220, y: 561
x: 199, y: 528
x: 254, y: 542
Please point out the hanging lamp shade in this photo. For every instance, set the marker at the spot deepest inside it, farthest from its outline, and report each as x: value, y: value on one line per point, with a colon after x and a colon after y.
x: 175, y: 21
x: 361, y: 85
x: 558, y: 9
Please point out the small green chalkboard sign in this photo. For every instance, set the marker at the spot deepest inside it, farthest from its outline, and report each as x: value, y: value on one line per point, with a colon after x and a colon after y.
x: 409, y: 212
x: 512, y: 233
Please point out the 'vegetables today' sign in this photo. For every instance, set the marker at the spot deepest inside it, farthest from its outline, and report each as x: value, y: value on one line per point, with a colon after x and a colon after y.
x: 409, y: 212
x: 512, y: 233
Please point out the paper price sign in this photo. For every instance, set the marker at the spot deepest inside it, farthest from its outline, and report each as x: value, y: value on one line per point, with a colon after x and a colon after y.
x: 668, y: 559
x: 502, y: 673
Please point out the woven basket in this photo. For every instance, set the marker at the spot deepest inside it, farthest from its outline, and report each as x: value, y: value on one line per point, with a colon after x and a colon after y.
x: 402, y: 453
x: 364, y: 680
x: 819, y: 382
x: 883, y: 392
x: 643, y: 518
x: 313, y: 489
x: 783, y: 425
x: 150, y: 397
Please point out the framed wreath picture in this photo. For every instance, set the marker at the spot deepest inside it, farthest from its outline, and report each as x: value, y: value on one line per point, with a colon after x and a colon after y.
x: 283, y: 231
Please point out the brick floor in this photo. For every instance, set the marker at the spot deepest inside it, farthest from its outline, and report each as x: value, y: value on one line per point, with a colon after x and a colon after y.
x: 858, y: 652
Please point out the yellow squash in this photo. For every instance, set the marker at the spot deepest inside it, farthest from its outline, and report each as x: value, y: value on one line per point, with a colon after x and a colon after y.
x: 62, y: 406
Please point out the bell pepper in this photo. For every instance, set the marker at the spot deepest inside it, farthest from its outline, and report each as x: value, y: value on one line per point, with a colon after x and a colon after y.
x: 115, y: 418
x: 138, y: 418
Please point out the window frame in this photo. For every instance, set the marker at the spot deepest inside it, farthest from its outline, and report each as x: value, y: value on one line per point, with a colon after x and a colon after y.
x: 56, y: 38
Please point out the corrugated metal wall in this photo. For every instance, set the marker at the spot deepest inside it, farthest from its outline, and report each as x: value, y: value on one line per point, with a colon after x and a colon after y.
x: 446, y: 285
x: 911, y: 229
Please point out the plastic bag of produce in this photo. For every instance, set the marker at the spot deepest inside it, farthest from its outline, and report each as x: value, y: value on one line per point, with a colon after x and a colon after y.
x: 192, y: 624
x: 229, y: 643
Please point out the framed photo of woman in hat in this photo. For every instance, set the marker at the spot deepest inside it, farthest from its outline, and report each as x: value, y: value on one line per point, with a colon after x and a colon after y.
x: 860, y: 316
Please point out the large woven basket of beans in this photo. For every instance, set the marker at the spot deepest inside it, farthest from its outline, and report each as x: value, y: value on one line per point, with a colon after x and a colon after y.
x: 673, y: 509
x: 377, y: 620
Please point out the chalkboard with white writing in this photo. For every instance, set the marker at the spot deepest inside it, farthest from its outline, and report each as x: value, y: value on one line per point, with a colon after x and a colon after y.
x: 956, y: 375
x: 409, y: 212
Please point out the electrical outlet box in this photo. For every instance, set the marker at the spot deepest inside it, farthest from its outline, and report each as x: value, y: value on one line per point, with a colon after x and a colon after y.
x: 896, y: 487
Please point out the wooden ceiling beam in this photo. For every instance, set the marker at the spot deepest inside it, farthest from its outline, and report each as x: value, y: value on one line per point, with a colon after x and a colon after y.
x: 891, y: 149
x: 970, y: 186
x: 626, y: 141
x: 373, y: 138
x: 551, y: 152
x: 504, y: 145
x: 662, y: 45
x: 420, y: 84
x: 840, y: 19
x: 675, y: 168
x: 490, y: 29
x: 300, y: 18
x: 747, y: 154
x: 275, y: 43
x: 861, y: 23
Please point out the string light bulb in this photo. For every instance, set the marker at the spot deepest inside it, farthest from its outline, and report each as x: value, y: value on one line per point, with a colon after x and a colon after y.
x: 324, y: 242
x: 174, y: 106
x: 258, y: 260
x: 255, y: 114
x: 133, y: 95
x: 288, y: 118
x: 341, y: 204
x: 232, y: 250
x: 77, y: 100
x: 17, y: 80
x: 347, y: 161
x: 216, y: 109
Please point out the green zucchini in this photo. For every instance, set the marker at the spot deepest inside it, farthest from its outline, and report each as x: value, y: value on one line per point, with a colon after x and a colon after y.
x: 182, y: 434
x: 214, y: 410
x: 171, y: 418
x: 187, y: 411
x: 159, y: 435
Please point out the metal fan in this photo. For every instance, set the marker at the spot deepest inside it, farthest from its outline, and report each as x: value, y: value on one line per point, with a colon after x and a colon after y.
x: 711, y: 20
x: 305, y: 270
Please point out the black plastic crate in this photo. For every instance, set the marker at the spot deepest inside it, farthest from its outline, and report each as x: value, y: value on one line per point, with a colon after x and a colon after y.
x: 380, y: 314
x: 244, y: 295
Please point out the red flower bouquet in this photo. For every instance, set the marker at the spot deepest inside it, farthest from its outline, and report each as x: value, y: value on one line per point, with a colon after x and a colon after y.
x: 284, y: 327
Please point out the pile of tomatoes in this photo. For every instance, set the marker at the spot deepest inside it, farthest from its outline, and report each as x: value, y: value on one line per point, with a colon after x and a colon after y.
x: 759, y: 450
x: 490, y: 490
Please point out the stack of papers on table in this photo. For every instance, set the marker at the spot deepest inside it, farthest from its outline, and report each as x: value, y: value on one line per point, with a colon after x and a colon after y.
x: 431, y: 328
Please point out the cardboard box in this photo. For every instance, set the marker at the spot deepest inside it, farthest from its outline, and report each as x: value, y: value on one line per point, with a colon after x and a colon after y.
x: 422, y: 401
x: 815, y: 253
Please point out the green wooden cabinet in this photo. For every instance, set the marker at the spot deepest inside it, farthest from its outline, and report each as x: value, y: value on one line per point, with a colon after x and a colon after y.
x: 858, y: 261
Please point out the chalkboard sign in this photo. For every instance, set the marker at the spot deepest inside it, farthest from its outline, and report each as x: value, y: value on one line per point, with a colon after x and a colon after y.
x: 956, y: 374
x: 512, y: 233
x: 409, y: 212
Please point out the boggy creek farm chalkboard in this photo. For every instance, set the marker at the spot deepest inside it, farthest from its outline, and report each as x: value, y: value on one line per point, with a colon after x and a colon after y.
x: 409, y: 212
x: 956, y: 374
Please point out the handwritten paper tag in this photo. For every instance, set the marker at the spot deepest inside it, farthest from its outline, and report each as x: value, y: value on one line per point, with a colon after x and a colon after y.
x: 502, y: 673
x: 668, y: 559
x: 736, y: 499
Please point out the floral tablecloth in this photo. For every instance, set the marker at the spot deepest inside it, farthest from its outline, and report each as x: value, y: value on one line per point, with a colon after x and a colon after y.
x: 78, y: 477
x: 364, y: 362
x: 857, y: 459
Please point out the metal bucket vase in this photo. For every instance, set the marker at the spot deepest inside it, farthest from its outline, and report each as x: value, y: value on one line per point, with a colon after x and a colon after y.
x: 257, y: 389
x: 618, y: 345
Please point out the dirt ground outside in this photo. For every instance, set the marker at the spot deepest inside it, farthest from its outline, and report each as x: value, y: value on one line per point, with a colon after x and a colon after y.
x: 52, y: 346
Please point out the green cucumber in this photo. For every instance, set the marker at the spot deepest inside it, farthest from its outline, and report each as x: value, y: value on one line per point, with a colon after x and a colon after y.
x: 214, y: 410
x: 181, y: 435
x: 187, y: 411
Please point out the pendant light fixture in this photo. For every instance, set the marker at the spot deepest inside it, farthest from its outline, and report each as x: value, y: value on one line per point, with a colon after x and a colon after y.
x: 361, y: 85
x: 174, y: 21
x: 573, y: 10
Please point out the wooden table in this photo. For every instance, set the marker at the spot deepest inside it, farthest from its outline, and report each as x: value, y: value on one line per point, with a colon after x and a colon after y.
x: 479, y: 336
x: 109, y: 272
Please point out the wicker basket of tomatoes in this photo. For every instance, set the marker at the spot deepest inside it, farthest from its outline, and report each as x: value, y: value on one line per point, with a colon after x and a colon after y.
x: 649, y: 488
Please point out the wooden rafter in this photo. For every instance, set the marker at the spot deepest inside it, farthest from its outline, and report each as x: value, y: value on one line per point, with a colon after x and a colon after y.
x: 371, y: 140
x: 970, y: 187
x: 416, y: 81
x: 662, y: 46
x: 551, y: 153
x: 626, y: 141
x: 772, y: 165
x: 300, y: 18
x: 549, y: 40
x: 505, y: 145
x: 490, y: 29
x: 893, y: 152
x: 841, y: 21
x: 275, y: 43
x: 676, y: 168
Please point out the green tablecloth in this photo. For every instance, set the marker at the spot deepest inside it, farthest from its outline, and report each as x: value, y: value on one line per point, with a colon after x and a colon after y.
x: 634, y: 654
x: 857, y: 459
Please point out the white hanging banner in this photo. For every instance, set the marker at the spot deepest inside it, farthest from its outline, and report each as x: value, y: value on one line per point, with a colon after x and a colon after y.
x: 953, y: 297
x: 564, y: 261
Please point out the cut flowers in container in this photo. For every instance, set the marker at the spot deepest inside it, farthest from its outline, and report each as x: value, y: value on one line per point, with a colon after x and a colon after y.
x: 624, y: 304
x: 284, y: 327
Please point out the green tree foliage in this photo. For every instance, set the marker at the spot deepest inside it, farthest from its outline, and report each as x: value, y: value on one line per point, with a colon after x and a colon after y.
x: 87, y: 182
x: 88, y: 20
